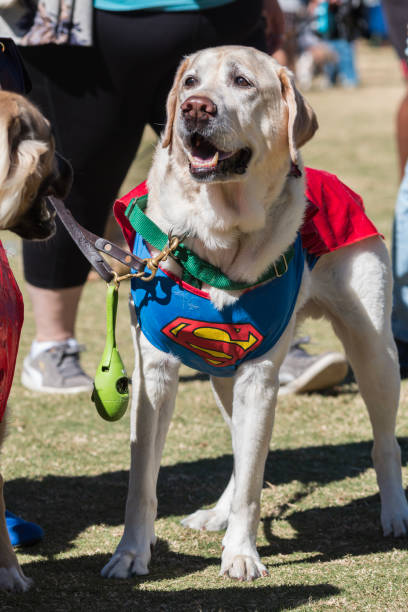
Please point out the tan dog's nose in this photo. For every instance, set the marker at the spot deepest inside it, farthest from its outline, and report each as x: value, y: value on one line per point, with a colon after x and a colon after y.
x: 198, y: 109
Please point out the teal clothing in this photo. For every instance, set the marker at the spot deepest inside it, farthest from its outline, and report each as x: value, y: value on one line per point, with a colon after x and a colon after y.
x: 162, y: 5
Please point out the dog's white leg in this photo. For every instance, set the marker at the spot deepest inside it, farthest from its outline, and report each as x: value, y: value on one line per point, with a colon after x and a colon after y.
x: 360, y: 310
x: 154, y: 390
x: 216, y: 518
x: 255, y: 393
x: 12, y: 577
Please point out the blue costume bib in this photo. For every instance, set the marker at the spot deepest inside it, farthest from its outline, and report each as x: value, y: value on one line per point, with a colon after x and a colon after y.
x: 177, y: 318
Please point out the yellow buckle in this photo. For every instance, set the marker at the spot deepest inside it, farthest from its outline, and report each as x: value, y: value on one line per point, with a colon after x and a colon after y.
x: 285, y: 270
x: 153, y: 262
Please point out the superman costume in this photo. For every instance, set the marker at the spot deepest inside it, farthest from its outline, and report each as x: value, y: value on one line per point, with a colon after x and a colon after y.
x: 11, y: 321
x: 180, y: 319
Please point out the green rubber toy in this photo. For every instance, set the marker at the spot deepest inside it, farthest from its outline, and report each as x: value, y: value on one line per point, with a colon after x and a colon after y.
x: 111, y: 393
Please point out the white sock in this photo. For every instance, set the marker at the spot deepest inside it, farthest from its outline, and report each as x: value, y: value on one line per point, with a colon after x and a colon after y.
x: 39, y: 347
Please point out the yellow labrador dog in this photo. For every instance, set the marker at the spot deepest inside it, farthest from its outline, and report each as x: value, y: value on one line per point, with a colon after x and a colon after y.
x: 222, y: 175
x: 29, y: 171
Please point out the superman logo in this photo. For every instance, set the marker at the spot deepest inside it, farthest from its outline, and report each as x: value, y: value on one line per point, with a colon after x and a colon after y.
x: 219, y: 344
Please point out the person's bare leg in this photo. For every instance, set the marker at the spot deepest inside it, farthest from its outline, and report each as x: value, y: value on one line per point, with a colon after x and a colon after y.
x: 55, y: 312
x: 402, y: 133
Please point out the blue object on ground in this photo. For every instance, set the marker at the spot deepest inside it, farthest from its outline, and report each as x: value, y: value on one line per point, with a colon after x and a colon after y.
x: 21, y: 532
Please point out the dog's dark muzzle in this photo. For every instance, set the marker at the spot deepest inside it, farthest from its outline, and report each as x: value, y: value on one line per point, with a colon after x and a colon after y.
x: 38, y: 223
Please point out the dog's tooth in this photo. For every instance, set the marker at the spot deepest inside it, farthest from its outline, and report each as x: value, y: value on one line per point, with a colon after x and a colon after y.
x: 197, y: 162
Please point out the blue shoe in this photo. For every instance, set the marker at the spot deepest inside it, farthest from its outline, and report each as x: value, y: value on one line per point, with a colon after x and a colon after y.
x: 21, y: 532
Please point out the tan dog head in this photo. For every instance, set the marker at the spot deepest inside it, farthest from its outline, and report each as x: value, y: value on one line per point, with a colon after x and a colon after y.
x: 231, y: 107
x: 29, y: 169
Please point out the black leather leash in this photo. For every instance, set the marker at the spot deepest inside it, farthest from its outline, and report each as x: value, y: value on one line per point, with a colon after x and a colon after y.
x: 92, y: 246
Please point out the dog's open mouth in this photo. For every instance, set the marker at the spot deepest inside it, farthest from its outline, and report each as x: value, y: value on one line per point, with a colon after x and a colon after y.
x: 206, y: 161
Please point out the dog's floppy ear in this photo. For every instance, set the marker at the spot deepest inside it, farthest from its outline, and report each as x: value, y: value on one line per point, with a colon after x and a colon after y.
x: 172, y: 104
x: 19, y: 166
x: 302, y: 121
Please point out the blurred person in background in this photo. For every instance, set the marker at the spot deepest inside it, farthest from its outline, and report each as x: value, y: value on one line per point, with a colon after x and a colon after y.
x: 396, y: 15
x: 288, y: 50
x: 302, y: 50
x: 340, y: 23
x: 376, y: 26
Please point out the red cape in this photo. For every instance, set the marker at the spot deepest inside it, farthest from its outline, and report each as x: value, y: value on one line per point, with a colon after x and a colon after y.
x: 11, y: 321
x: 334, y: 217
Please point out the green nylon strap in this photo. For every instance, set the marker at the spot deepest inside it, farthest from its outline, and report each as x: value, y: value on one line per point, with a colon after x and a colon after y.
x: 195, y: 270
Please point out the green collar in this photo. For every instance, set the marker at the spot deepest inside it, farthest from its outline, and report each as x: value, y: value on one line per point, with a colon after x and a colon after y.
x: 195, y: 270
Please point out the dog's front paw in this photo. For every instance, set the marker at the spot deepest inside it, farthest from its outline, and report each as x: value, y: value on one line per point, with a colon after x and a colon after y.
x: 13, y: 579
x: 125, y: 564
x: 210, y: 520
x: 394, y: 518
x: 241, y: 566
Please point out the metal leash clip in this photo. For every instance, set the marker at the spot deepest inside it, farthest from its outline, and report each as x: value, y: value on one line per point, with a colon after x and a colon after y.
x: 153, y: 262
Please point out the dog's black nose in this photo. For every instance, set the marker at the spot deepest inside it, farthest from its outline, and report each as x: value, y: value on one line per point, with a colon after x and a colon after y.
x: 197, y: 110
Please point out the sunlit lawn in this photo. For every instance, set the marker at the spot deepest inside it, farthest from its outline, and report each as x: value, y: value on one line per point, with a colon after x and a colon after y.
x: 320, y: 534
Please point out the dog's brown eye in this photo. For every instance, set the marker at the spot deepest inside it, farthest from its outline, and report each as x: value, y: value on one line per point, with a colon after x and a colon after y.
x: 190, y: 81
x: 242, y: 82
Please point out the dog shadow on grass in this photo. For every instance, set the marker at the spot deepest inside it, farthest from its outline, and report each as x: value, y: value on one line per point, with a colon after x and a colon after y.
x: 81, y: 587
x: 65, y: 506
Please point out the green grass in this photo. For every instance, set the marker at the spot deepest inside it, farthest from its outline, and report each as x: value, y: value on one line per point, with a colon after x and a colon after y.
x: 319, y: 536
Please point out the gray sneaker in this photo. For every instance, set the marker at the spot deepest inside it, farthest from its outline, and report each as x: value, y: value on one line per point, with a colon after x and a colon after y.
x: 301, y: 372
x: 56, y: 370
